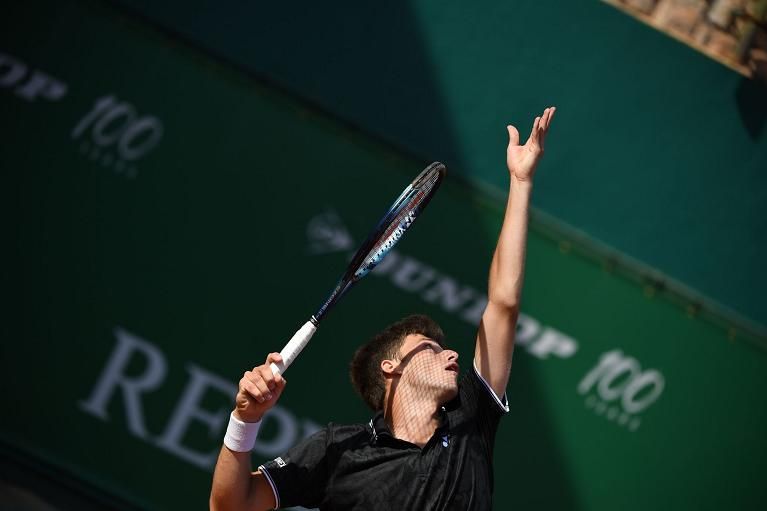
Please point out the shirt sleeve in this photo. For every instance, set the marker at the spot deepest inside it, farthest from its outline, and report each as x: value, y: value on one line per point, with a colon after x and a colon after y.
x: 298, y: 478
x: 480, y: 407
x: 502, y: 402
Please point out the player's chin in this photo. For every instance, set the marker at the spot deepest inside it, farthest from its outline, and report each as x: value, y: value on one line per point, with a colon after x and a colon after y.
x: 449, y: 392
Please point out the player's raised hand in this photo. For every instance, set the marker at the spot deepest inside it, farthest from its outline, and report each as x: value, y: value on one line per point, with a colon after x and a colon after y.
x: 522, y: 159
x: 258, y: 391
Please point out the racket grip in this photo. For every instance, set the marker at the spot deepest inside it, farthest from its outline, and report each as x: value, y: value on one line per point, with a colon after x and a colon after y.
x: 294, y: 346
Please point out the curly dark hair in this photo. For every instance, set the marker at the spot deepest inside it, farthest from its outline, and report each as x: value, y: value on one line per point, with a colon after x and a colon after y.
x: 365, y: 367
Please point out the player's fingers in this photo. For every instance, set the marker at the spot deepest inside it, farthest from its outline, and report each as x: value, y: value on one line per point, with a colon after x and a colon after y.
x: 266, y: 393
x: 513, y: 135
x: 267, y: 376
x: 250, y: 390
x: 534, y: 132
x: 277, y: 359
x: 542, y: 137
x: 549, y: 114
x: 552, y: 111
x: 545, y: 119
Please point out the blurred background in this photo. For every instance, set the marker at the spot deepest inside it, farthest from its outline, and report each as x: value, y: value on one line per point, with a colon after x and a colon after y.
x: 184, y: 182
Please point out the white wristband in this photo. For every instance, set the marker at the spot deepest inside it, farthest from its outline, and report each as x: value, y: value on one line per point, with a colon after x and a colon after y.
x: 241, y: 436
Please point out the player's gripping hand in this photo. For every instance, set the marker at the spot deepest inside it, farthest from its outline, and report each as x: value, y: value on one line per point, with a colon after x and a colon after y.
x: 259, y: 390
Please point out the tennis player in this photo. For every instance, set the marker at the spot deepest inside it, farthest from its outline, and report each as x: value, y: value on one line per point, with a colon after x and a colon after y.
x: 430, y: 443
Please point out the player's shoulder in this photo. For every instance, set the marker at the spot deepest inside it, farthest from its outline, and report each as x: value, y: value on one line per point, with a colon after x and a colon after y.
x: 473, y: 389
x: 348, y: 434
x: 469, y: 379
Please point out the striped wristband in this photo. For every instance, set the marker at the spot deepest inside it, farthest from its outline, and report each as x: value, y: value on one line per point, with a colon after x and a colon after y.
x: 241, y: 436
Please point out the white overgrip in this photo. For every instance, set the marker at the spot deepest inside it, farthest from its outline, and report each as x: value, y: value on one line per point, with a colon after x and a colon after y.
x: 294, y: 346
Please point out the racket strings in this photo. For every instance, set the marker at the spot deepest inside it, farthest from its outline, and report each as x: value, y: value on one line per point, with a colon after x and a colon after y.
x: 393, y: 232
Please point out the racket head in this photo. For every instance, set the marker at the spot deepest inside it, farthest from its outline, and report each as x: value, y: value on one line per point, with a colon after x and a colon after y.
x: 389, y: 230
x: 398, y: 219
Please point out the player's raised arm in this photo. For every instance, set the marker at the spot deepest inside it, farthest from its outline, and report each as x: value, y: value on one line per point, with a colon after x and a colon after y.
x: 235, y: 486
x: 495, y: 338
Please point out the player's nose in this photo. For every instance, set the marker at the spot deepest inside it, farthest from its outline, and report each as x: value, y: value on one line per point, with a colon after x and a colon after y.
x: 452, y: 355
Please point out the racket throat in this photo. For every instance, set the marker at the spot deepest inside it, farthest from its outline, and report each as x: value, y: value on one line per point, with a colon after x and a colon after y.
x: 337, y: 293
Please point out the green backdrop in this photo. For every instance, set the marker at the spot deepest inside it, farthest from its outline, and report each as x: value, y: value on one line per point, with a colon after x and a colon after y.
x: 173, y: 220
x: 660, y: 151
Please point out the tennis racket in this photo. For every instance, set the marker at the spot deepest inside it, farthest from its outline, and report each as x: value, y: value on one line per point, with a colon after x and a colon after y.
x: 387, y: 233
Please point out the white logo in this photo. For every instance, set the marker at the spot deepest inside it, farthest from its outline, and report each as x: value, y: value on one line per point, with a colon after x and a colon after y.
x: 29, y: 84
x: 623, y: 390
x: 118, y: 136
x: 326, y: 233
x: 118, y: 386
x: 280, y: 462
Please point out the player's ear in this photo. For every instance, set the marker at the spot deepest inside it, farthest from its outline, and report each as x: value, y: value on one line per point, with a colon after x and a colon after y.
x: 389, y: 367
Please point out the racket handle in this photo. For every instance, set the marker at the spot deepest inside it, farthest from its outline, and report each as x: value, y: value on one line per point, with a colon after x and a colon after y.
x: 294, y: 346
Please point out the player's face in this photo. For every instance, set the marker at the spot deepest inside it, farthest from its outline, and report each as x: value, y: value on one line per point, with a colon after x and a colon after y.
x: 429, y: 367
